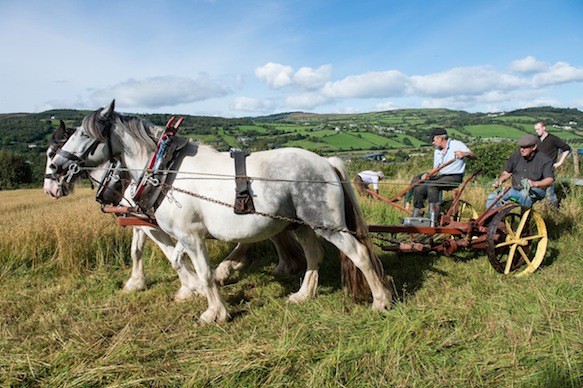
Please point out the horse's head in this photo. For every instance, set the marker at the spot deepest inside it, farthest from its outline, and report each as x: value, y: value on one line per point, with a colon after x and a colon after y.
x: 56, y: 142
x: 88, y: 146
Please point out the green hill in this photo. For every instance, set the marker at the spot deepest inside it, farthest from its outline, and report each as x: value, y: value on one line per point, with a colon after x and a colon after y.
x: 394, y: 132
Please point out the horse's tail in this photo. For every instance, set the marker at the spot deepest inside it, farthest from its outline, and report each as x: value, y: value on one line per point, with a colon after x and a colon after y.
x: 352, y: 278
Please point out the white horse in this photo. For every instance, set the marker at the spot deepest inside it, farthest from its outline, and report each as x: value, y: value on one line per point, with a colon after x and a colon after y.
x: 138, y: 281
x: 291, y: 188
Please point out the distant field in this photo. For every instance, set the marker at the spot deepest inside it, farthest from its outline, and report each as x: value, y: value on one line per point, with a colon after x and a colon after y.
x: 515, y: 119
x: 310, y: 145
x: 494, y: 130
x: 247, y: 128
x: 346, y: 141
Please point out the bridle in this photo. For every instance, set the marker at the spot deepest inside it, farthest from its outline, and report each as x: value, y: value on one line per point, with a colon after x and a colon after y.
x: 111, y: 186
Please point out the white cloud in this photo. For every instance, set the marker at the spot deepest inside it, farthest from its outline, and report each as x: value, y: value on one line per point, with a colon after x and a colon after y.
x: 161, y: 91
x: 467, y: 88
x: 311, y: 79
x: 278, y: 76
x: 275, y: 75
x: 248, y: 104
x: 368, y: 85
x: 464, y: 81
x: 559, y: 73
x: 306, y: 100
x: 528, y: 64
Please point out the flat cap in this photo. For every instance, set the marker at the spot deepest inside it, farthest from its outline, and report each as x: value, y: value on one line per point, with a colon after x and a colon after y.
x: 437, y: 132
x: 527, y: 140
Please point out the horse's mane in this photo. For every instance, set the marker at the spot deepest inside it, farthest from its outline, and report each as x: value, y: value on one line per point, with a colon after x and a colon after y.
x: 140, y: 129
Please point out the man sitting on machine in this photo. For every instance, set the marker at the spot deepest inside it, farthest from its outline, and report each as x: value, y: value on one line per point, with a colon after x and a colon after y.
x: 449, y: 177
x: 531, y: 171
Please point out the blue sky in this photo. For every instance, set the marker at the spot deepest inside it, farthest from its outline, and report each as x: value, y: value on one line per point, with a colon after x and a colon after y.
x: 235, y: 58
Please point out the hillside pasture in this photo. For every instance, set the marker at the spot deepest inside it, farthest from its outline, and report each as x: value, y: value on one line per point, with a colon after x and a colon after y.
x: 516, y: 119
x: 494, y: 130
x: 346, y: 141
x: 255, y: 128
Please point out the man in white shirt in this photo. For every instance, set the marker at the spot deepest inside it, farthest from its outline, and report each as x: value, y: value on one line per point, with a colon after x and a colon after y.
x: 448, y: 178
x: 365, y: 178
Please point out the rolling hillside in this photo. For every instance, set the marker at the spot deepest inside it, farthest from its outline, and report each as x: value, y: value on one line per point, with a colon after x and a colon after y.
x: 394, y: 133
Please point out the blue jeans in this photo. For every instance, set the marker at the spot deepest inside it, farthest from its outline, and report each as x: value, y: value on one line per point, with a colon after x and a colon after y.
x: 551, y: 195
x: 519, y: 196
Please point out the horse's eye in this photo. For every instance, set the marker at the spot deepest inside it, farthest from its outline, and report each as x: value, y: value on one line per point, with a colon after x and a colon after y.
x: 51, y: 154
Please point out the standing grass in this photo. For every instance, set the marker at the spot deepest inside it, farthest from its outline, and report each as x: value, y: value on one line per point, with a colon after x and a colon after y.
x: 456, y: 322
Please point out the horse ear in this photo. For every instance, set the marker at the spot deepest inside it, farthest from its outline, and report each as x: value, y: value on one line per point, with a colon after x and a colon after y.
x: 60, y: 135
x: 107, y: 112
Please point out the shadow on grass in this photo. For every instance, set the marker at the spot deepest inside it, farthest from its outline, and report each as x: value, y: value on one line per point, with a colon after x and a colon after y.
x: 409, y: 271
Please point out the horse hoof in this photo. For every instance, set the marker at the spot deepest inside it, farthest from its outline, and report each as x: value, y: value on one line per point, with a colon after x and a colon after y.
x: 381, y: 305
x: 213, y: 316
x: 135, y: 285
x: 185, y: 294
x: 297, y: 298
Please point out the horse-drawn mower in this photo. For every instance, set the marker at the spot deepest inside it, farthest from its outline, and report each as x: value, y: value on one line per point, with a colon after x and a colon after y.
x: 513, y: 237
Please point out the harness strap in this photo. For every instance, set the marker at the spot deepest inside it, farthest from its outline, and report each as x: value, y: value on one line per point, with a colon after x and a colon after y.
x: 68, y: 155
x: 244, y: 199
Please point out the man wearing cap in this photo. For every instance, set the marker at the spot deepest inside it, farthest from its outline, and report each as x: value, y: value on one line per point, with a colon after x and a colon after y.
x: 363, y: 179
x: 550, y: 145
x: 449, y: 177
x: 531, y: 171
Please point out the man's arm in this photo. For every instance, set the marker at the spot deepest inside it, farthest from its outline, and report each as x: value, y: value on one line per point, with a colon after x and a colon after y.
x: 503, y: 178
x: 562, y: 159
x: 466, y: 154
x: 543, y: 183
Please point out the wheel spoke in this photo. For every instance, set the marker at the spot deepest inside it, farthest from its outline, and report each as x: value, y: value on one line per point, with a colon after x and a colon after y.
x: 511, y: 253
x: 535, y: 237
x: 523, y: 221
x: 524, y: 255
x: 517, y: 241
x: 509, y: 230
x: 505, y: 243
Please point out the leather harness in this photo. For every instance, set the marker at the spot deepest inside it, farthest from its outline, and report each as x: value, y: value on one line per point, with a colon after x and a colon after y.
x: 243, y: 194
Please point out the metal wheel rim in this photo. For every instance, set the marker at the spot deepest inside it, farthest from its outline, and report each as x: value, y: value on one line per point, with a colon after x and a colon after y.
x: 522, y: 242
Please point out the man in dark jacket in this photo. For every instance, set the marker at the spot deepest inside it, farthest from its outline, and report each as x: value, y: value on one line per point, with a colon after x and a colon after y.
x: 550, y: 145
x: 531, y: 171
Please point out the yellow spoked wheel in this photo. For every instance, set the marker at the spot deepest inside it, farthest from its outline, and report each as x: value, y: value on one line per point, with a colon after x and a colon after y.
x: 517, y: 241
x: 463, y: 213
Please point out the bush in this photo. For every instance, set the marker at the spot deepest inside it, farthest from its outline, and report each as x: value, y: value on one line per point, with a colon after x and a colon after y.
x: 15, y: 170
x: 491, y: 158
